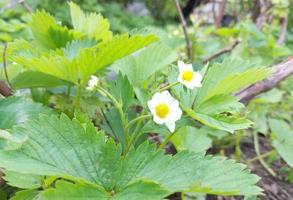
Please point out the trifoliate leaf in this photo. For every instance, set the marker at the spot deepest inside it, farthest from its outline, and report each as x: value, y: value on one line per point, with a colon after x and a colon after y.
x: 87, y: 61
x: 93, y: 25
x: 282, y: 136
x: 66, y: 148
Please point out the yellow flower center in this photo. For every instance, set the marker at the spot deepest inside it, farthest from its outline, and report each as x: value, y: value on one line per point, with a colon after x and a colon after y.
x: 162, y: 110
x: 187, y: 76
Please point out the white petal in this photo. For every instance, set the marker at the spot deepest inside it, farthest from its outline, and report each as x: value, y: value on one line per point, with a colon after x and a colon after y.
x: 152, y: 104
x: 158, y: 120
x: 184, y: 67
x: 171, y: 126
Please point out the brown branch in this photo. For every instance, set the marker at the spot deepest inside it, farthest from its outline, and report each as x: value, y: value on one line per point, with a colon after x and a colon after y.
x: 283, y: 30
x: 26, y: 6
x: 4, y: 63
x: 221, y: 52
x: 279, y: 73
x: 5, y: 89
x: 184, y: 27
x: 221, y: 14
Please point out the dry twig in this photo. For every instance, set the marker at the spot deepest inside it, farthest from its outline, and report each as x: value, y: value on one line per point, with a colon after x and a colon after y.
x: 184, y: 27
x: 221, y: 52
x: 283, y: 30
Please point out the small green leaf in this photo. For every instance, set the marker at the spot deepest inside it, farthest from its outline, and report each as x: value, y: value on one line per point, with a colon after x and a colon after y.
x: 282, y: 136
x: 48, y: 33
x: 222, y: 122
x: 26, y: 181
x: 26, y: 195
x: 93, y: 25
x: 192, y: 139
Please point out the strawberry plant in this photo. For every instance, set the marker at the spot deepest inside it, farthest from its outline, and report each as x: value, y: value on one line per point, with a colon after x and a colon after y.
x: 121, y: 116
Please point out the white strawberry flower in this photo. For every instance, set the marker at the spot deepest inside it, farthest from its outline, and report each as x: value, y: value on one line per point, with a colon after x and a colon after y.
x: 165, y: 109
x: 92, y: 83
x: 188, y: 77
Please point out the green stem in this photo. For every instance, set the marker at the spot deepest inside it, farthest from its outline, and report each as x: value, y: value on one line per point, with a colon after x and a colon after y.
x: 120, y: 110
x: 237, y: 146
x: 135, y: 134
x: 166, y: 87
x: 78, y: 96
x: 137, y: 119
x: 68, y: 90
x: 261, y: 156
x: 167, y: 139
x: 182, y: 195
x: 257, y: 151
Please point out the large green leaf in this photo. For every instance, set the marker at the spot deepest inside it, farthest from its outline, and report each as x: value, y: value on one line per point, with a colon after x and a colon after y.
x: 31, y: 79
x: 75, y: 150
x: 228, y: 77
x: 139, y: 190
x: 16, y: 110
x: 139, y: 68
x: 282, y: 136
x: 87, y: 61
x: 92, y: 25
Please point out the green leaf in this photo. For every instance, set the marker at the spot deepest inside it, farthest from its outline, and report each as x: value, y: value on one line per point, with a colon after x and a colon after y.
x: 87, y: 61
x: 192, y: 139
x: 139, y: 68
x: 32, y: 79
x: 222, y: 122
x: 122, y: 90
x: 237, y: 81
x: 26, y: 195
x: 16, y: 110
x: 27, y: 181
x: 139, y: 190
x: 105, y: 53
x: 76, y: 151
x: 224, y: 177
x: 67, y: 191
x: 48, y: 33
x: 229, y: 76
x: 92, y: 25
x: 218, y: 104
x: 282, y: 136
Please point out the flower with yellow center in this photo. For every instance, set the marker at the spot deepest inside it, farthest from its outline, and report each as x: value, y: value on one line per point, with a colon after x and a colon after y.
x: 165, y: 109
x: 187, y: 76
